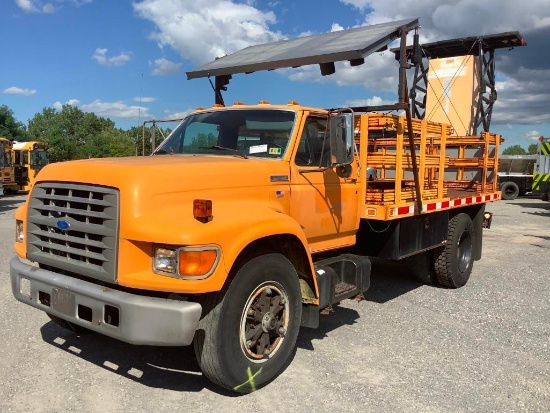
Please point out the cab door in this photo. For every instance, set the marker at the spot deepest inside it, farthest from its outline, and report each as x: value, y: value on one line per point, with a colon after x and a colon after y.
x: 325, y: 203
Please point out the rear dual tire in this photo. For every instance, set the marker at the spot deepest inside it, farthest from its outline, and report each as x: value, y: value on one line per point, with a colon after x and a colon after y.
x: 449, y: 266
x: 453, y: 263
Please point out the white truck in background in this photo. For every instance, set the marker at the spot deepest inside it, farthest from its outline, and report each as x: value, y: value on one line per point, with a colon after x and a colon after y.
x: 515, y: 175
x: 524, y: 174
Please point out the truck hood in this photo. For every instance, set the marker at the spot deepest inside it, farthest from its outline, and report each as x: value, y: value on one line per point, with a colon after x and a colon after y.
x: 158, y: 191
x: 167, y: 174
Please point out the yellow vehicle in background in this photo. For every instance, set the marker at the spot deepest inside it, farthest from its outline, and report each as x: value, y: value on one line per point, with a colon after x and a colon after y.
x: 6, y: 165
x: 28, y: 159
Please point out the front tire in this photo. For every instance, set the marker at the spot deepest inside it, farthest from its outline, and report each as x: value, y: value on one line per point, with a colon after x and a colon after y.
x: 247, y: 334
x: 453, y: 263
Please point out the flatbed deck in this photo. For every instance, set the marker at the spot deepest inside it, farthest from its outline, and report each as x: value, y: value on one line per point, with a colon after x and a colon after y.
x: 453, y: 170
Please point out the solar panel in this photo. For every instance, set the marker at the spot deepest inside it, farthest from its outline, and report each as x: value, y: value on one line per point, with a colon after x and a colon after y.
x: 350, y: 44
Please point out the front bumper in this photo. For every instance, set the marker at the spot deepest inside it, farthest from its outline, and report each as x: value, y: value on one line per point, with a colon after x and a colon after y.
x: 131, y: 318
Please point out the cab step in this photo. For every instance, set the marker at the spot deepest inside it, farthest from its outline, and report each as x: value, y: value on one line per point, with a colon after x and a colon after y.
x: 338, y: 278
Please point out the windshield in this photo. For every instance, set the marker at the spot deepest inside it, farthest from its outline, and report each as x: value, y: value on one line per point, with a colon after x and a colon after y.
x: 261, y: 133
x: 39, y: 159
x: 5, y: 156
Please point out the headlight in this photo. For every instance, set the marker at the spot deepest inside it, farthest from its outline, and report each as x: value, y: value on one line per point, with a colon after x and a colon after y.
x: 165, y: 260
x: 186, y: 262
x: 19, y: 234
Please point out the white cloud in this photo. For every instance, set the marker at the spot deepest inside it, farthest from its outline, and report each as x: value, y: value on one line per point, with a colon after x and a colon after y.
x: 71, y: 102
x: 109, y: 109
x: 177, y: 115
x: 374, y: 101
x: 379, y: 73
x: 19, y: 91
x: 77, y: 3
x: 360, y: 4
x: 202, y: 31
x: 115, y: 109
x: 144, y: 99
x: 100, y: 56
x: 163, y: 67
x: 533, y: 135
x: 523, y: 99
x: 49, y: 8
x: 41, y: 6
x: 27, y: 5
x: 446, y: 19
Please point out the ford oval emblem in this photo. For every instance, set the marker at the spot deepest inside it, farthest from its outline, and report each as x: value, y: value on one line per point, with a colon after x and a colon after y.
x: 63, y: 225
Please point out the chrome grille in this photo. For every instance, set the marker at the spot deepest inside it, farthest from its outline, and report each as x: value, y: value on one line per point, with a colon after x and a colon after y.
x: 74, y: 228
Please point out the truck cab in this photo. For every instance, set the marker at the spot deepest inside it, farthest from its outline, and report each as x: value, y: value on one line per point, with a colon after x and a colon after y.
x: 295, y: 142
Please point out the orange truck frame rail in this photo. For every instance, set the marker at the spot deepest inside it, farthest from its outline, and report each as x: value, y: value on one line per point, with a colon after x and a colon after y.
x: 249, y: 220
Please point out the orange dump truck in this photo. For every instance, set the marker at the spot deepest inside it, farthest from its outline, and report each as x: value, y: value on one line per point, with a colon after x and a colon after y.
x: 245, y: 223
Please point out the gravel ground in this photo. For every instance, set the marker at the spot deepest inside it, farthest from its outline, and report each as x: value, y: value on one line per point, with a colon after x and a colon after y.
x: 407, y: 347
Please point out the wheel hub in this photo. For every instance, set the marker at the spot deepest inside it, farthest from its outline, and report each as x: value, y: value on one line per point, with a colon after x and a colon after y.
x: 464, y: 251
x: 269, y: 322
x: 264, y: 321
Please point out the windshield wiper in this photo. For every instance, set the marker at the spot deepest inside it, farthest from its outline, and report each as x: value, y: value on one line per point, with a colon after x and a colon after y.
x: 222, y: 148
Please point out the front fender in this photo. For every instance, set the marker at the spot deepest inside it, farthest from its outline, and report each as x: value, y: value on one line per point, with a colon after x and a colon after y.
x: 235, y: 225
x: 250, y: 228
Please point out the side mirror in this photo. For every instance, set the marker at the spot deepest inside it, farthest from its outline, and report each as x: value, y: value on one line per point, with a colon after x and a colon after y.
x: 341, y: 138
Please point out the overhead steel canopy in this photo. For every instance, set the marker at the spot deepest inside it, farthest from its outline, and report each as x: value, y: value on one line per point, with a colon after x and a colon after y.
x: 468, y: 45
x: 352, y: 44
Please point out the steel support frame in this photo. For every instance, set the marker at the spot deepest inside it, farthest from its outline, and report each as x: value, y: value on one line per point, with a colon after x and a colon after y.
x: 419, y: 84
x: 487, y: 90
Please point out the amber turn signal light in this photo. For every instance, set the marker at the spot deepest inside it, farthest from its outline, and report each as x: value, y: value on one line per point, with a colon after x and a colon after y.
x: 196, y: 263
x: 202, y: 209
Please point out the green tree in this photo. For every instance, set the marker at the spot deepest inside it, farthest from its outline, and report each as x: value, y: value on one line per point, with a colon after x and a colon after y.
x: 514, y: 150
x: 68, y: 131
x: 532, y: 149
x: 109, y: 143
x: 9, y: 127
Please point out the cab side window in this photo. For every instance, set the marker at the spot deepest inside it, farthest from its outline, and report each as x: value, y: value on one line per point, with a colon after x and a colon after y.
x: 314, y: 145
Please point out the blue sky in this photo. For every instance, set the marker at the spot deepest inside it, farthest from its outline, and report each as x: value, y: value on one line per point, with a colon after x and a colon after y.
x: 126, y: 60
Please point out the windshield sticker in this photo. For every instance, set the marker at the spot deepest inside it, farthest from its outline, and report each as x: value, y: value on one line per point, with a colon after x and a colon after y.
x: 274, y: 151
x: 258, y: 149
